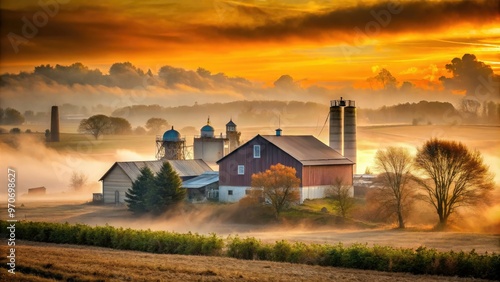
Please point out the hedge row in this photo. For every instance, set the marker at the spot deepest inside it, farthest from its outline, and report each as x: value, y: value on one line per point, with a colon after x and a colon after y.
x: 119, y: 238
x: 360, y: 256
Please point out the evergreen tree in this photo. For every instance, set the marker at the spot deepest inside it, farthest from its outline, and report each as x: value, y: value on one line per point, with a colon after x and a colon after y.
x: 167, y: 190
x: 136, y: 196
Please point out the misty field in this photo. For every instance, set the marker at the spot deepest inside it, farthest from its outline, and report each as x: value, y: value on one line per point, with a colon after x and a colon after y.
x: 206, y: 220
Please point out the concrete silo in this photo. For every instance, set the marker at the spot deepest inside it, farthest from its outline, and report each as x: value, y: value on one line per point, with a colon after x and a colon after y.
x: 350, y: 131
x: 336, y: 126
x: 343, y: 127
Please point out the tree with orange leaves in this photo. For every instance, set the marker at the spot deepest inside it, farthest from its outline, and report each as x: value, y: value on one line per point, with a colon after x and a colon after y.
x: 279, y: 185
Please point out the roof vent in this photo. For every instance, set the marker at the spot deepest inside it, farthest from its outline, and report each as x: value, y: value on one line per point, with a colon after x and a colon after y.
x: 278, y: 132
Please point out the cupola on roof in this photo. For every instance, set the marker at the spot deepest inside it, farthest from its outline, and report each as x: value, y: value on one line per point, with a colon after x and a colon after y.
x: 207, y: 130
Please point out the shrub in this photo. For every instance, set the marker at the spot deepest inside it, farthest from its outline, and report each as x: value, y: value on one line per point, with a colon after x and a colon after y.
x: 282, y: 251
x: 15, y: 130
x: 243, y: 248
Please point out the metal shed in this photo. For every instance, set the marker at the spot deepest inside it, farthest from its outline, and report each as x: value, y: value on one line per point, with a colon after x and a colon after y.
x: 203, y: 187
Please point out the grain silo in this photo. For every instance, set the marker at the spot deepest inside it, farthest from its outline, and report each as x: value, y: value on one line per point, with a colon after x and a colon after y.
x: 350, y: 131
x: 54, y: 124
x: 336, y: 125
x: 170, y: 146
x: 343, y: 127
x: 209, y: 147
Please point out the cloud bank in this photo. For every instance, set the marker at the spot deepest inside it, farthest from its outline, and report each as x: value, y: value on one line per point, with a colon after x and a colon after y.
x: 125, y: 85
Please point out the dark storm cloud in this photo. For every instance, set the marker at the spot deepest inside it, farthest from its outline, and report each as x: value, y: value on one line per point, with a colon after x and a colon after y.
x: 382, y: 17
x: 98, y: 30
x: 31, y: 33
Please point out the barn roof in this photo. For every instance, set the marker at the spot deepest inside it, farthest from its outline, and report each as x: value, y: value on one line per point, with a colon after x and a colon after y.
x: 306, y: 149
x: 205, y: 179
x: 182, y: 167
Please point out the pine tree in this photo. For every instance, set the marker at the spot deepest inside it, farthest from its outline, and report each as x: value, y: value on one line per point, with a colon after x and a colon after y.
x: 136, y: 196
x: 167, y: 190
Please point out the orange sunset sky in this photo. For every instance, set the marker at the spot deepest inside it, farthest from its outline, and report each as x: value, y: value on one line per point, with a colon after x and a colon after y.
x: 324, y: 45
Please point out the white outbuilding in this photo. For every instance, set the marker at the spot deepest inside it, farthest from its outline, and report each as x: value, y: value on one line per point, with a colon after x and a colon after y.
x: 119, y: 178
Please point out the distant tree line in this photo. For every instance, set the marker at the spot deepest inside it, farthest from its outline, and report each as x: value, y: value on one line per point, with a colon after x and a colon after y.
x: 10, y: 116
x: 424, y: 112
x: 99, y: 125
x: 307, y: 113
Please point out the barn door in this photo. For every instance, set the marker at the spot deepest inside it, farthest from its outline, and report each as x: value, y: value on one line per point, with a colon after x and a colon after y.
x: 117, y: 197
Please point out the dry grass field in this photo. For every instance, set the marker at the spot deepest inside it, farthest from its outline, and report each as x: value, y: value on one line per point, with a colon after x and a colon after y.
x: 51, y: 262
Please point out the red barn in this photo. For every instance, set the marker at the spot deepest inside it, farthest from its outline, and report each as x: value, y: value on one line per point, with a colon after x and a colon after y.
x: 317, y: 165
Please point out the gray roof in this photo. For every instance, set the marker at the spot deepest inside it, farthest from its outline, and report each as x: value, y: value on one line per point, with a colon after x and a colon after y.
x: 307, y: 149
x: 182, y: 167
x: 205, y: 179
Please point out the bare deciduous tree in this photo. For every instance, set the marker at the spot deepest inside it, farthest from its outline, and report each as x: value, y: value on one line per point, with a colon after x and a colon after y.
x: 78, y: 181
x: 456, y: 177
x: 279, y: 185
x: 343, y: 202
x: 395, y: 193
x: 469, y: 107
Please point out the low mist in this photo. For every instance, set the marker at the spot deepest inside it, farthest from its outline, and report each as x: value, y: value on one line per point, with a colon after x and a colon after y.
x: 36, y: 165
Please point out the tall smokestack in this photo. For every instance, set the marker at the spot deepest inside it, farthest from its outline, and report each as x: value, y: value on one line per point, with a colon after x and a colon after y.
x: 350, y: 131
x: 54, y: 124
x: 336, y: 126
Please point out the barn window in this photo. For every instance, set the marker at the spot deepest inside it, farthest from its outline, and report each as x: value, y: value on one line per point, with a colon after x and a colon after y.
x: 241, y: 169
x: 230, y: 192
x: 256, y: 151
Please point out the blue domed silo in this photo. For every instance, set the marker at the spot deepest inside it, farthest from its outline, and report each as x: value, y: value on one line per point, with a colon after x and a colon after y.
x: 170, y: 146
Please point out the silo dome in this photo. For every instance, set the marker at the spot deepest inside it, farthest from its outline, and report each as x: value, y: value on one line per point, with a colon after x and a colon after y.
x: 207, y: 130
x: 171, y: 135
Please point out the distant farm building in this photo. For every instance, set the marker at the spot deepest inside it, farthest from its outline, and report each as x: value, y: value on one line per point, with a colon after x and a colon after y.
x: 362, y: 183
x: 317, y: 165
x: 37, y: 191
x: 119, y: 178
x: 211, y: 148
